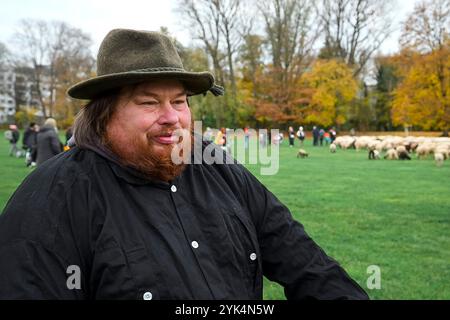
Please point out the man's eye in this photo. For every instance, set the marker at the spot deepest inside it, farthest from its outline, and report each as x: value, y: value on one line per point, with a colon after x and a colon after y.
x: 179, y: 101
x: 150, y: 103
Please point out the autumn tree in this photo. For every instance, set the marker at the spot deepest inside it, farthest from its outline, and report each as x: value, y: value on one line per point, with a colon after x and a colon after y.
x: 423, y: 97
x: 203, y: 107
x: 251, y: 61
x: 329, y: 89
x: 290, y: 32
x: 386, y: 82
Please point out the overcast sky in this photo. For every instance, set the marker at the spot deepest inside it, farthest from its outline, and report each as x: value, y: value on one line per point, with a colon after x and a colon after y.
x: 97, y: 17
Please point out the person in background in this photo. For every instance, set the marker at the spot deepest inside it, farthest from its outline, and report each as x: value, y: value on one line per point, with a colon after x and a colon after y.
x: 29, y: 143
x: 48, y: 144
x: 332, y: 134
x: 301, y: 135
x: 246, y: 138
x: 291, y: 135
x: 315, y: 134
x: 15, y: 136
x: 321, y: 134
x: 352, y: 132
x: 327, y: 138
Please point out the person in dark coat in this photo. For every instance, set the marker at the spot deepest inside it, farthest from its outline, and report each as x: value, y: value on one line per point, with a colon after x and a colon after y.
x: 29, y: 142
x: 118, y: 216
x: 291, y: 135
x: 48, y: 144
x: 316, y: 135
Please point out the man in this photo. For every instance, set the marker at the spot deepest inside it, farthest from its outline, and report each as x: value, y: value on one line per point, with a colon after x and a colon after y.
x: 321, y: 136
x: 116, y: 218
x: 29, y: 143
x: 315, y: 134
x: 15, y: 136
x: 48, y: 144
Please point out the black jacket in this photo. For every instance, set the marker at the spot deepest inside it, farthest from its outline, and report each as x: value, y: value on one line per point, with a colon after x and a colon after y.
x: 29, y: 139
x: 48, y: 144
x: 210, y: 234
x: 15, y: 136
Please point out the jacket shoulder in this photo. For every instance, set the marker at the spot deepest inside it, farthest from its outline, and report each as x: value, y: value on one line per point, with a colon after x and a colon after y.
x: 39, y: 205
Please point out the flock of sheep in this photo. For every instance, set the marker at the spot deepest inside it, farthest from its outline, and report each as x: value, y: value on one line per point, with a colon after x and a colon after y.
x: 397, y: 148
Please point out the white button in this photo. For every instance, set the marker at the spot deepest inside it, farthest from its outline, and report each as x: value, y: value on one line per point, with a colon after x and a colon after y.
x: 148, y: 296
x: 194, y: 244
x: 173, y: 188
x: 253, y: 256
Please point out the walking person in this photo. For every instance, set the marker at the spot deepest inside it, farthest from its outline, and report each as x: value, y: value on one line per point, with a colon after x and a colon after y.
x: 321, y: 136
x: 48, y: 144
x: 29, y: 143
x: 291, y: 135
x: 14, y: 138
x: 315, y: 134
x: 301, y: 135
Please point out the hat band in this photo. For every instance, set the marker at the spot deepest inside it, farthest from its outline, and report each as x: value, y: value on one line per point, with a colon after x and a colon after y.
x: 159, y: 69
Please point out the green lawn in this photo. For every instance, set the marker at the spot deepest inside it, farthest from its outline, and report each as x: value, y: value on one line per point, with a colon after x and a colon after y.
x: 392, y: 214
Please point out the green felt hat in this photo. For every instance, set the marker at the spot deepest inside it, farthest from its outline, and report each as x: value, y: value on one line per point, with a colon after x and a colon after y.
x: 129, y: 57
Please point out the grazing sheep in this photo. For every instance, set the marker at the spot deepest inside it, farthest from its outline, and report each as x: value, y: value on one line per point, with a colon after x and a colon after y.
x: 374, y: 155
x: 423, y: 150
x: 332, y: 148
x: 402, y: 153
x: 443, y: 150
x: 345, y: 142
x: 302, y: 153
x: 391, y: 154
x: 413, y: 146
x: 439, y: 158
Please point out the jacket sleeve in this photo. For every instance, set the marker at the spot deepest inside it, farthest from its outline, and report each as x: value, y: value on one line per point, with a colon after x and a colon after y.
x: 28, y: 271
x: 289, y: 256
x: 55, y: 144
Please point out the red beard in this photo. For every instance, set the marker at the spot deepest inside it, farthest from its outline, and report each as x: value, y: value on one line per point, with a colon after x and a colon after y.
x: 141, y: 156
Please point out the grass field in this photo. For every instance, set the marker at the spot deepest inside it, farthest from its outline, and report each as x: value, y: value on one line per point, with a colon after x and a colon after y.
x: 392, y: 214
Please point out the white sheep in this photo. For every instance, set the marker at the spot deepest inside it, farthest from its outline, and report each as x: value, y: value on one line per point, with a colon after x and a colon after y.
x: 374, y: 155
x: 391, y: 154
x: 423, y: 150
x: 439, y: 158
x: 332, y: 148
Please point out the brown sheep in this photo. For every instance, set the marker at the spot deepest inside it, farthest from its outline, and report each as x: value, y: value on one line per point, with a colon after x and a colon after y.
x: 302, y: 154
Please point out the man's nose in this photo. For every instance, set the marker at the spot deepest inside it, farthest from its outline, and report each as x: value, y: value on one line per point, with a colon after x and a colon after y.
x: 168, y: 115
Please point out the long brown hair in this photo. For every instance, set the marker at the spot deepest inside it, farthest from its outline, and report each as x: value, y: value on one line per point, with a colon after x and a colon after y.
x: 91, y: 122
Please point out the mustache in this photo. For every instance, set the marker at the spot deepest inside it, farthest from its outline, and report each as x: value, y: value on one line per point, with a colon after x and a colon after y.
x: 178, y: 132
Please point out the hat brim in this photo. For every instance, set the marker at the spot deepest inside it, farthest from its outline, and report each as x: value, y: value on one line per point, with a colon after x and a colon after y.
x: 194, y: 82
